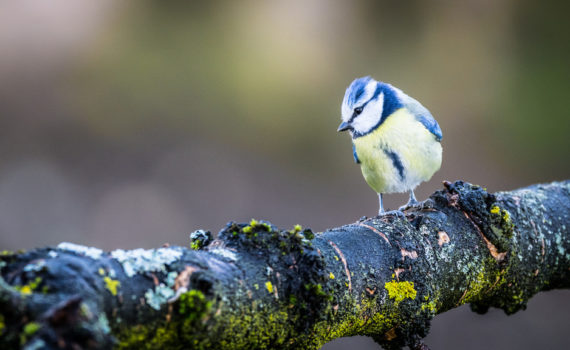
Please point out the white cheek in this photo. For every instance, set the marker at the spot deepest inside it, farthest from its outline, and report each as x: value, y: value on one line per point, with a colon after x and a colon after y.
x: 370, y: 116
x: 346, y: 113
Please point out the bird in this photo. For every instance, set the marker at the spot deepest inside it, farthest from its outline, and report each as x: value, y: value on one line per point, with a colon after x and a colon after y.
x: 395, y: 139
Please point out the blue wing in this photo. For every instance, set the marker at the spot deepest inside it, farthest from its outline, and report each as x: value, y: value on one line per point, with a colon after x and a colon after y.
x: 355, y: 155
x: 431, y: 124
x: 422, y: 115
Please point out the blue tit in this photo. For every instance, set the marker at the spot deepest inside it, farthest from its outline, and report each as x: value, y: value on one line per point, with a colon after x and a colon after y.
x: 395, y: 139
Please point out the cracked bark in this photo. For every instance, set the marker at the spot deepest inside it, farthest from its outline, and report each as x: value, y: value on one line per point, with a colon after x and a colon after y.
x: 259, y: 287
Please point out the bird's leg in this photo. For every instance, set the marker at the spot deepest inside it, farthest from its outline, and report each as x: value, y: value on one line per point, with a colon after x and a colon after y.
x: 382, y: 212
x: 413, y: 202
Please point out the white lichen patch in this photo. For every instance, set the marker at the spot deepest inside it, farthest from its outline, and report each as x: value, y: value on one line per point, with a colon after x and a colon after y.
x: 424, y: 230
x: 171, y: 278
x: 35, y: 266
x: 159, y: 296
x: 103, y: 324
x: 559, y: 245
x: 52, y: 254
x: 90, y: 252
x: 146, y: 260
x: 225, y: 253
x: 35, y: 344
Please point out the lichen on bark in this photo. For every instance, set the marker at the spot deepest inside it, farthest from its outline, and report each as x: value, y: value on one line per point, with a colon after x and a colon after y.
x: 256, y: 286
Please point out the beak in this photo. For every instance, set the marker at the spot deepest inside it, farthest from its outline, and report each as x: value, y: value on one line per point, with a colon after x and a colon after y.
x: 344, y: 126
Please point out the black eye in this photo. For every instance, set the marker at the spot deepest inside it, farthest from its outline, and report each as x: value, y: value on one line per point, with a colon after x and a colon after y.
x: 358, y: 110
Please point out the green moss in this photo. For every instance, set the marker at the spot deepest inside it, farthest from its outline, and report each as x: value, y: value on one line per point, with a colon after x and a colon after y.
x: 292, y: 300
x: 239, y: 329
x: 431, y: 306
x: 476, y: 286
x: 2, y: 324
x: 296, y: 228
x: 487, y: 281
x: 317, y: 290
x: 254, y: 331
x: 29, y: 288
x: 308, y: 233
x: 269, y: 287
x: 252, y: 230
x: 501, y: 222
x: 199, y: 239
x: 31, y: 328
x: 111, y: 285
x: 145, y: 337
x: 129, y: 338
x: 360, y: 319
x: 193, y: 305
x: 25, y: 290
x: 245, y: 327
x: 400, y: 290
x: 180, y: 332
x: 28, y: 331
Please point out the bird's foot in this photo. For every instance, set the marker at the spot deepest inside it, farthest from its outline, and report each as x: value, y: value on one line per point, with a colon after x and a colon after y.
x: 408, y: 206
x: 396, y: 213
x: 427, y: 204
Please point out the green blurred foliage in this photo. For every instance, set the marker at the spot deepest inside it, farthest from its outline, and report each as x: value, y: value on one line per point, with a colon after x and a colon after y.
x: 228, y: 70
x: 532, y: 127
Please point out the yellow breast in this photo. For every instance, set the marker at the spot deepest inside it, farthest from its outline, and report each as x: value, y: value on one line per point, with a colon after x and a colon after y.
x: 399, y: 154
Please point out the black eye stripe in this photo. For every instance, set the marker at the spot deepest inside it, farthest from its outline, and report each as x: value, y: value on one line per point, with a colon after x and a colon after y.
x: 377, y: 92
x: 356, y: 112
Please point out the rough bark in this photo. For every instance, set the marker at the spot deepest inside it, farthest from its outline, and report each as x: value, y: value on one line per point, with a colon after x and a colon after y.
x: 259, y: 287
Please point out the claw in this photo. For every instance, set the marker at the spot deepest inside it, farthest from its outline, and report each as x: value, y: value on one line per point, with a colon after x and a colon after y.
x: 409, y: 206
x: 424, y: 205
x: 397, y: 213
x: 412, y: 203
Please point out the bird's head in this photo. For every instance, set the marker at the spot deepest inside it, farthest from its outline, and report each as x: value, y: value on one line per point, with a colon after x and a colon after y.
x: 366, y: 104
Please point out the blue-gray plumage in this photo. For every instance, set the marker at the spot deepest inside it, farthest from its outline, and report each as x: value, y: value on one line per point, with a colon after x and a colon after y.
x: 422, y: 115
x: 395, y: 139
x: 356, y: 160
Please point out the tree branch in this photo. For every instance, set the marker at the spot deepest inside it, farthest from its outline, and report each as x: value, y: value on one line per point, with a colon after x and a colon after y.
x: 259, y: 287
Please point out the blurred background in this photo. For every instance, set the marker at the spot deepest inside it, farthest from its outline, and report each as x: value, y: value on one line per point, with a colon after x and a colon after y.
x: 129, y: 124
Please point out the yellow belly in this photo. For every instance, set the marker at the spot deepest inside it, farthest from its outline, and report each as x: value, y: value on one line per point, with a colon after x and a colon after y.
x: 416, y: 148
